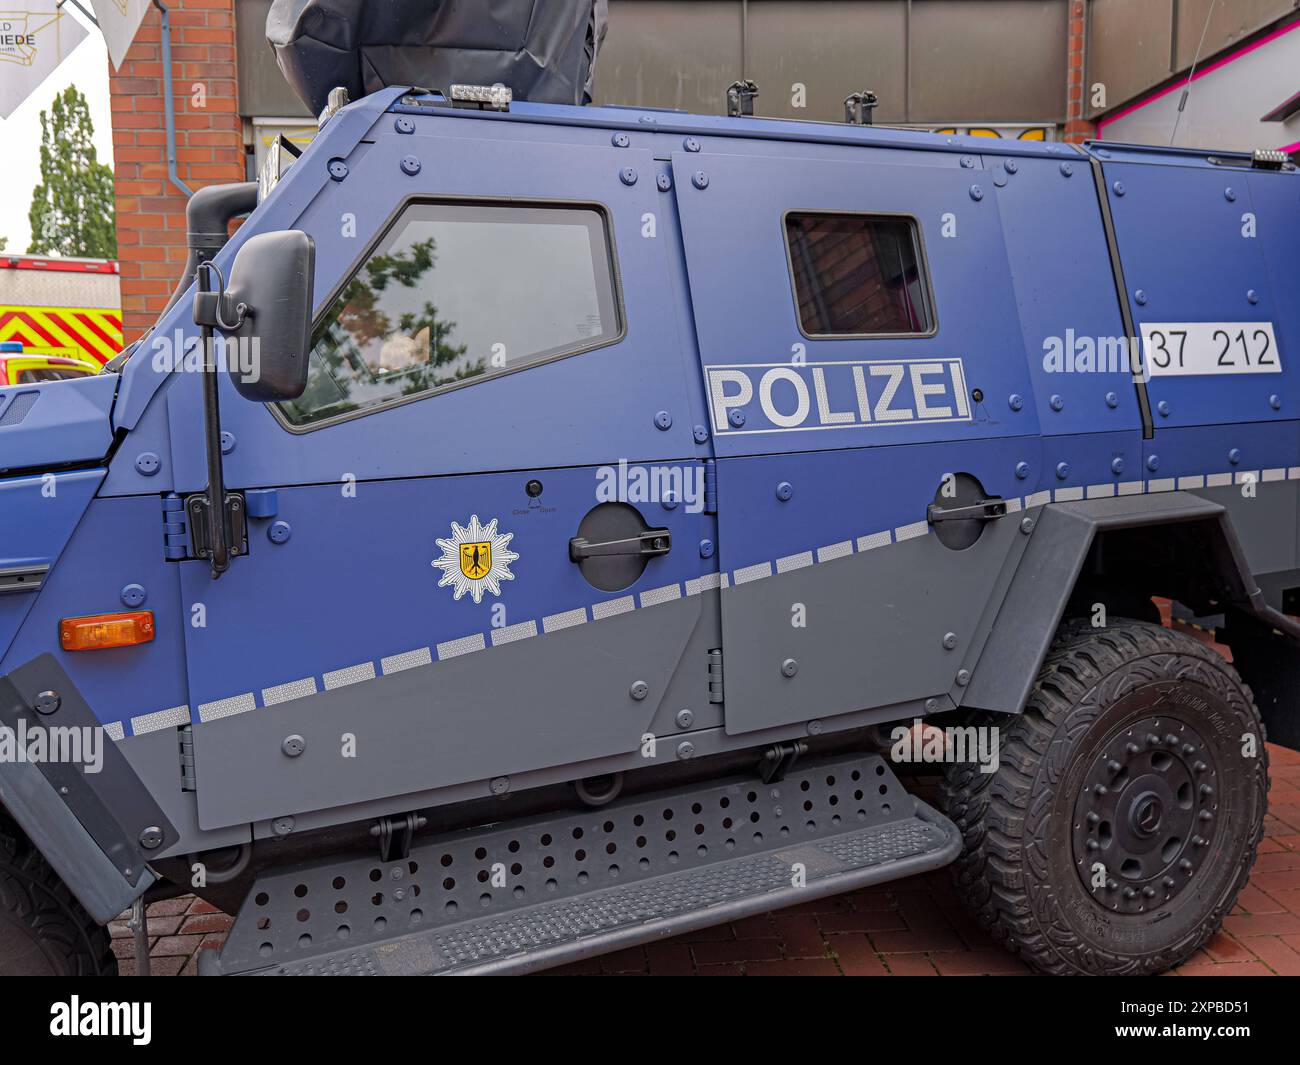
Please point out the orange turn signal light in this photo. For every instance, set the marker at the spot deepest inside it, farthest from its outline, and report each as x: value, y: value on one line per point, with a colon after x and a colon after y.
x: 96, y: 632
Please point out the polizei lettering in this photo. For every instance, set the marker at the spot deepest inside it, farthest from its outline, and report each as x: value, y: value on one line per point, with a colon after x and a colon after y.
x: 793, y: 397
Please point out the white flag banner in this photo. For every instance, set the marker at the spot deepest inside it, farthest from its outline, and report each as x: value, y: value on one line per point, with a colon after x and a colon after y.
x: 33, y: 41
x: 118, y: 22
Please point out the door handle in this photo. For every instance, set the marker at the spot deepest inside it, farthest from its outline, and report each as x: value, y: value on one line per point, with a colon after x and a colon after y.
x: 648, y: 544
x: 980, y: 510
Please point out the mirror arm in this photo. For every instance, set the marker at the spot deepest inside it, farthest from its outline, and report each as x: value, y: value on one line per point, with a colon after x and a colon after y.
x: 205, y: 316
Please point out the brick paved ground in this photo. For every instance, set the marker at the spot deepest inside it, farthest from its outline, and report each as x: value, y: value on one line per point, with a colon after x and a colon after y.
x: 912, y: 927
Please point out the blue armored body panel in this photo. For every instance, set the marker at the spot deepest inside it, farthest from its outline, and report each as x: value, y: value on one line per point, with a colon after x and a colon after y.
x: 646, y: 487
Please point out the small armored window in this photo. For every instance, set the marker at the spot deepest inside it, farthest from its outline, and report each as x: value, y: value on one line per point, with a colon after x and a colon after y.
x: 858, y: 275
x: 456, y: 293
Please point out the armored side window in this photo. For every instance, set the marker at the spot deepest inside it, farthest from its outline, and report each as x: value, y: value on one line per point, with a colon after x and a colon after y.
x: 858, y: 275
x: 454, y: 293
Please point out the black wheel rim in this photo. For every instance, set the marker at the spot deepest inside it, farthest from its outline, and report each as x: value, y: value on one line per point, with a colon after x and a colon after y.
x: 1147, y: 811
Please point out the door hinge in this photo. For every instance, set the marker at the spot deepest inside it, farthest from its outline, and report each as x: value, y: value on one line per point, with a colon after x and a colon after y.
x: 710, y: 486
x: 715, y: 675
x: 187, y: 758
x: 185, y: 526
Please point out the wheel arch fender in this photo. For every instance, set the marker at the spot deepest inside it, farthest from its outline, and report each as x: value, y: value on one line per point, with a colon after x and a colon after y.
x: 1184, y: 545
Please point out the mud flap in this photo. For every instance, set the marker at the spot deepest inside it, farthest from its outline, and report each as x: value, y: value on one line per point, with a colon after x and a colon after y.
x: 96, y: 829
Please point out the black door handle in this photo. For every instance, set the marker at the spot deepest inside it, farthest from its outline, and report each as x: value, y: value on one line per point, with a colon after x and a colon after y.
x: 648, y: 544
x: 980, y: 510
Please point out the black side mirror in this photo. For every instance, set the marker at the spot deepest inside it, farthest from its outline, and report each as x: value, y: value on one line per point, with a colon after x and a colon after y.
x: 270, y: 295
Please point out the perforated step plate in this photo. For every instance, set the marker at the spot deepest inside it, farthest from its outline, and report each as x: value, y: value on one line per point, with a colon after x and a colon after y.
x: 530, y: 894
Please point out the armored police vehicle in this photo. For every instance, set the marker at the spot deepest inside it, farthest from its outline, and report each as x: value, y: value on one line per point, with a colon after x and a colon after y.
x: 543, y: 529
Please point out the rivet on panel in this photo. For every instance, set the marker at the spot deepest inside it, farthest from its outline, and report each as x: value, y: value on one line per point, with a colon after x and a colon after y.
x: 976, y: 193
x: 1153, y: 463
x: 1057, y: 403
x: 663, y: 420
x: 627, y: 175
x: 700, y: 179
x: 784, y: 491
x: 620, y: 140
x: 1234, y: 456
x: 1022, y: 470
x: 1063, y: 470
x: 133, y: 595
x: 1140, y: 297
x: 1112, y: 400
x: 410, y: 165
x: 1015, y: 401
x: 147, y: 464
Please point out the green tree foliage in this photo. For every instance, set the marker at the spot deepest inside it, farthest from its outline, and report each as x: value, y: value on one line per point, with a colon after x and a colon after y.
x: 72, y: 207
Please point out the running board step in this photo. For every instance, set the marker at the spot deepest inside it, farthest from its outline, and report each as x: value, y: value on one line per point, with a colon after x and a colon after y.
x: 525, y: 895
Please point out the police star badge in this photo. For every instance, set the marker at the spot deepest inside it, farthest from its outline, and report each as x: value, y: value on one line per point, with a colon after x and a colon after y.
x: 476, y: 558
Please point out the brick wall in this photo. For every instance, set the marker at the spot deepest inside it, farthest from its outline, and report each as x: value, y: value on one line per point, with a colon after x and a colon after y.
x: 209, y: 145
x: 1077, y: 128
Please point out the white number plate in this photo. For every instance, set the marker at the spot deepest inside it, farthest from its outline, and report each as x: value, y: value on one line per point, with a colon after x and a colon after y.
x: 1172, y: 349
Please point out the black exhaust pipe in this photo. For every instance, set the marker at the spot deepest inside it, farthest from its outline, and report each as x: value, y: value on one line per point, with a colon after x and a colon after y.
x: 207, y: 218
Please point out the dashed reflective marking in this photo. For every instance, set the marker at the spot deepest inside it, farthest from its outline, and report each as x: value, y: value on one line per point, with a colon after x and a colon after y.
x: 512, y: 633
x: 833, y: 551
x: 874, y: 540
x: 666, y: 594
x: 237, y: 704
x: 752, y: 573
x: 339, y: 678
x: 173, y: 717
x: 421, y: 656
x: 295, y: 689
x: 566, y: 620
x: 802, y: 560
x: 612, y: 607
x: 707, y: 583
x: 465, y: 645
x: 219, y: 708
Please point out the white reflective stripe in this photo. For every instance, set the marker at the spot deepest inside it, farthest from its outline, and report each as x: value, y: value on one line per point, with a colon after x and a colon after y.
x: 1013, y: 504
x: 1161, y: 484
x: 1069, y: 495
x: 114, y: 730
x: 655, y: 596
x: 1191, y: 482
x: 219, y: 708
x: 611, y: 607
x: 1100, y: 491
x: 1218, y: 480
x: 339, y: 678
x: 510, y: 633
x: 566, y: 620
x: 173, y: 717
x: 463, y: 646
x: 294, y: 689
x: 1038, y: 499
x: 792, y: 562
x: 833, y: 551
x: 910, y: 532
x: 421, y: 656
x: 1130, y: 488
x: 707, y: 583
x: 880, y: 539
x: 752, y: 573
x: 1275, y: 475
x: 1293, y: 473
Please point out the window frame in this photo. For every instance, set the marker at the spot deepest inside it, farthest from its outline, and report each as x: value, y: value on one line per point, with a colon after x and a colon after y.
x: 923, y: 265
x: 394, y: 217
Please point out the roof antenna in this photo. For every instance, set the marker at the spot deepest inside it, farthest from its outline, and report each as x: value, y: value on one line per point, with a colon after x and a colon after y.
x: 1187, y: 89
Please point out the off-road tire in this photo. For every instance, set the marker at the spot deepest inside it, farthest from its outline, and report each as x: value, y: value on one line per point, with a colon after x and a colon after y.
x: 43, y: 929
x: 1022, y: 869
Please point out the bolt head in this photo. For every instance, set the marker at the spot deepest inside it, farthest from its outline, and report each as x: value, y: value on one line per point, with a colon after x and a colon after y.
x: 1163, y: 408
x: 789, y: 667
x: 627, y: 175
x: 1117, y: 465
x: 976, y: 193
x: 1275, y: 401
x: 706, y: 549
x: 1057, y: 403
x: 639, y: 690
x: 700, y: 179
x: 410, y: 165
x: 784, y: 491
x: 1140, y: 297
x: 663, y: 182
x: 403, y: 124
x: 963, y: 677
x: 1015, y: 401
x: 1252, y: 297
x: 1027, y: 525
x: 691, y: 144
x: 736, y: 417
x: 1229, y: 195
x: 293, y: 745
x: 499, y: 785
x: 48, y: 702
x: 1022, y: 470
x: 1119, y: 188
x: 949, y: 640
x: 1153, y: 463
x: 1062, y: 470
x: 685, y: 750
x: 620, y: 140
x: 663, y: 421
x: 1112, y: 400
x: 147, y: 464
x: 1234, y: 455
x: 151, y: 838
x: 685, y: 718
x: 1067, y: 169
